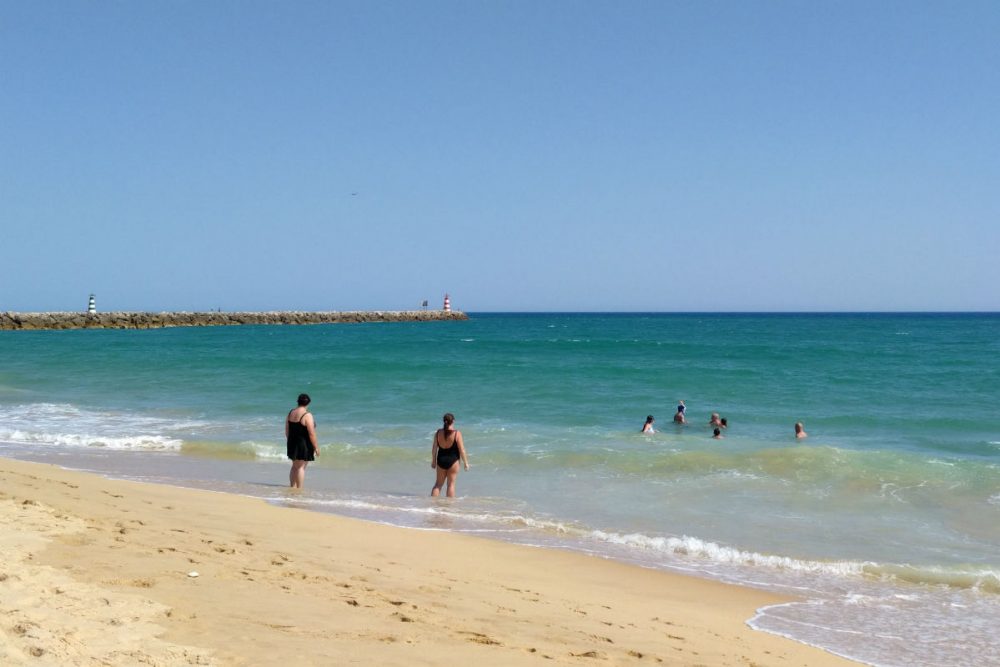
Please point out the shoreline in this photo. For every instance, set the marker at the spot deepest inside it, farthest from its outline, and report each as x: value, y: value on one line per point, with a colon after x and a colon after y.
x: 12, y: 321
x: 107, y: 563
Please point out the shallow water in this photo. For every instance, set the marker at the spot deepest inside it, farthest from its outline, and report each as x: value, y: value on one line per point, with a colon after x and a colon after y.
x: 885, y: 519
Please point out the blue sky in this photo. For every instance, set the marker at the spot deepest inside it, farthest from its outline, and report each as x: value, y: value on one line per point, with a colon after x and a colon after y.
x: 655, y: 156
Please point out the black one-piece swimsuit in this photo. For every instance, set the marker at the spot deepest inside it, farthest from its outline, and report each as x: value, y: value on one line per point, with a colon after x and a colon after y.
x: 448, y: 457
x: 298, y: 446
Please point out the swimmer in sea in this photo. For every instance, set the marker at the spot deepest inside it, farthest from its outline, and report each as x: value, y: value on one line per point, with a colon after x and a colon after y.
x: 723, y: 423
x: 717, y: 434
x: 446, y: 451
x: 714, y: 421
x: 648, y: 426
x: 800, y: 431
x: 679, y: 417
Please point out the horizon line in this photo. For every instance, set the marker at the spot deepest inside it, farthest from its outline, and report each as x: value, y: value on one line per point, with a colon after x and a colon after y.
x: 732, y: 312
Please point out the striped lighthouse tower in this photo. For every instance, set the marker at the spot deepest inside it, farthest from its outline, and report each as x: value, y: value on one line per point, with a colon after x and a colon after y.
x: 447, y: 303
x: 92, y: 306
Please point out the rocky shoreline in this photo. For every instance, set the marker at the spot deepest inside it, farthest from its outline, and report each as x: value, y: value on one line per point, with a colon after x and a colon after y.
x: 128, y: 320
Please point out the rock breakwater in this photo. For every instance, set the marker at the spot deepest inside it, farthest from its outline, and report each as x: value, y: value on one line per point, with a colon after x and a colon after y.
x: 128, y: 320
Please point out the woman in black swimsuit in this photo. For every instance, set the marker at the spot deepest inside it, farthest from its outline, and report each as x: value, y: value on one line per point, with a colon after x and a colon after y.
x: 300, y: 441
x: 446, y: 452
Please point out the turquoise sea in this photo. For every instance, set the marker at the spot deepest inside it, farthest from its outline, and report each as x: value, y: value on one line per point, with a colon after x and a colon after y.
x: 885, y: 521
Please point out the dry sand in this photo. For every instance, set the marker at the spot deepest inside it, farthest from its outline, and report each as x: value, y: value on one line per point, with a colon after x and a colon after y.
x: 96, y: 572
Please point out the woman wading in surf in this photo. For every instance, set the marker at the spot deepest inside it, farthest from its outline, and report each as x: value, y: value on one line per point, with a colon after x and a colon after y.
x: 300, y: 440
x: 446, y: 451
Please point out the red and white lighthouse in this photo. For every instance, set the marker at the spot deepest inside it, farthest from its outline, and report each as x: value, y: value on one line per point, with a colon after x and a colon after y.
x: 447, y: 303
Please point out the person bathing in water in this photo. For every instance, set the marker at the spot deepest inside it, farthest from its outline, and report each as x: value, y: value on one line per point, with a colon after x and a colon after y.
x: 800, y: 431
x: 679, y: 417
x: 446, y: 451
x: 300, y: 441
x: 648, y: 426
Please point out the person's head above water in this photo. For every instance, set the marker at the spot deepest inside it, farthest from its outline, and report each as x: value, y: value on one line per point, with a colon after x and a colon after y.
x: 304, y: 399
x: 649, y: 419
x: 448, y: 419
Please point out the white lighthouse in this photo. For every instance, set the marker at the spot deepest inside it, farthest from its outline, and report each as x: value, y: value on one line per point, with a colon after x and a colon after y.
x: 92, y: 306
x: 447, y: 303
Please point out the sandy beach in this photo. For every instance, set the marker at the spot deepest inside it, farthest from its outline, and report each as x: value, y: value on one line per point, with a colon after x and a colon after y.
x: 101, y: 572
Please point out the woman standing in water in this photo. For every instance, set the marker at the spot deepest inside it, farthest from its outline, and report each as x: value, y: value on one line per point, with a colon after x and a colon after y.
x: 446, y: 451
x: 300, y: 441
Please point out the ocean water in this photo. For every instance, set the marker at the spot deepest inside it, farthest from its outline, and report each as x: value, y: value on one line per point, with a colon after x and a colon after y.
x: 885, y: 521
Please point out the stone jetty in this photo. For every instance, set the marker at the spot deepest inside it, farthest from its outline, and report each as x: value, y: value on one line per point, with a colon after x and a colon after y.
x: 127, y: 320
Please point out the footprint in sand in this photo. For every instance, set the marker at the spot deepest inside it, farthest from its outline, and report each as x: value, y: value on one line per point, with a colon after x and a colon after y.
x: 22, y: 629
x: 480, y: 638
x: 134, y: 583
x: 434, y: 589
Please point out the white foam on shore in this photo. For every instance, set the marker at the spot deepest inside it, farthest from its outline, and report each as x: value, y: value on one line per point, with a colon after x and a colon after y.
x: 139, y: 442
x: 696, y: 548
x: 63, y: 425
